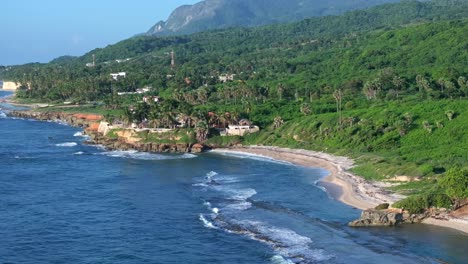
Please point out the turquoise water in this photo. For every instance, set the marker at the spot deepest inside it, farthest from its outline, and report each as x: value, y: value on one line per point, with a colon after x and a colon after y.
x: 65, y: 202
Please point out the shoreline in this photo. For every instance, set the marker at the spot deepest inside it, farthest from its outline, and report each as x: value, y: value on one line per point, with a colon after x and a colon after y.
x: 353, y: 190
x: 347, y: 188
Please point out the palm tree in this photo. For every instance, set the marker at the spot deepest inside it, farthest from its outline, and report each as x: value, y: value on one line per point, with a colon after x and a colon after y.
x: 277, y: 122
x: 201, y: 130
x: 280, y: 91
x: 168, y: 119
x: 155, y: 118
x: 450, y: 114
x: 427, y: 126
x: 305, y: 109
x: 371, y: 89
x: 398, y: 82
x: 128, y: 115
x: 338, y: 95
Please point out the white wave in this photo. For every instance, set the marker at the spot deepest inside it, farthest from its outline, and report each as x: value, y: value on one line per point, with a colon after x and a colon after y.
x: 244, y: 194
x: 207, y: 223
x: 324, y: 189
x: 67, y: 144
x: 209, y: 176
x: 78, y: 153
x: 23, y: 158
x: 285, y: 242
x: 2, y: 115
x: 200, y: 185
x: 240, y: 206
x: 78, y: 134
x: 215, y: 210
x: 278, y: 259
x: 133, y: 154
x: 207, y: 204
x: 244, y: 155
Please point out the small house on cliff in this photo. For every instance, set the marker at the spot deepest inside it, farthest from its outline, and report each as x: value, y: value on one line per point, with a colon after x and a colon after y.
x: 239, y: 130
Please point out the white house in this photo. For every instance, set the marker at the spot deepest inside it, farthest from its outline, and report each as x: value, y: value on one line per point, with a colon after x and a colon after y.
x: 238, y: 130
x: 226, y: 77
x: 116, y: 76
x: 143, y: 90
x: 150, y: 99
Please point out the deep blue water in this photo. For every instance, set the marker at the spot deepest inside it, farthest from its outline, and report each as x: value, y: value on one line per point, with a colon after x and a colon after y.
x: 65, y: 202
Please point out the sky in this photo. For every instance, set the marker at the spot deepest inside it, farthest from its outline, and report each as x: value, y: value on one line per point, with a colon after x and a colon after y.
x: 41, y: 30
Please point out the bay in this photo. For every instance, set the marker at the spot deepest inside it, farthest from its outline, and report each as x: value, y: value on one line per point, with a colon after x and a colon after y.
x: 62, y: 201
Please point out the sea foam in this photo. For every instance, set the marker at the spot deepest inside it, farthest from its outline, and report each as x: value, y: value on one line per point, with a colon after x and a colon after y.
x: 244, y: 155
x: 133, y: 154
x: 287, y: 243
x: 207, y: 223
x: 67, y: 144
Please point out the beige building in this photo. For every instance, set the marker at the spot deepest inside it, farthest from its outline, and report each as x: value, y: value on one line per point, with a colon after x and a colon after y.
x: 237, y: 130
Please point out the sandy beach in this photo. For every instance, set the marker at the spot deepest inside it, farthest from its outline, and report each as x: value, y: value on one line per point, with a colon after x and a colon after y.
x: 353, y: 190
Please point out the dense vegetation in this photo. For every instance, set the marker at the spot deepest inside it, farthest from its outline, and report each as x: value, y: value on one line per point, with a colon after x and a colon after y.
x: 386, y: 86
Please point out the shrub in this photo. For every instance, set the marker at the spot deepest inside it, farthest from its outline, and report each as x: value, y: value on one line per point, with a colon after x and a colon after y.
x: 455, y: 183
x: 426, y: 169
x: 419, y: 203
x: 414, y: 204
x: 440, y: 200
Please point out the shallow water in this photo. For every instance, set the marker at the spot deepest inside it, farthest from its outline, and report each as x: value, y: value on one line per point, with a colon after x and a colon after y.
x: 66, y: 202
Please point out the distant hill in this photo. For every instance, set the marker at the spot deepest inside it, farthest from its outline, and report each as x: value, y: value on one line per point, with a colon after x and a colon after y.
x: 215, y: 14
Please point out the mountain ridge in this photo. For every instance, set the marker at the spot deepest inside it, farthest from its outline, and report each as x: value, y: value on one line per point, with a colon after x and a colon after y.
x: 216, y: 14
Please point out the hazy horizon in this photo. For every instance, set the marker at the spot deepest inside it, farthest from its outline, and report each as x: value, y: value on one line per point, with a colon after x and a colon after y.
x: 39, y: 31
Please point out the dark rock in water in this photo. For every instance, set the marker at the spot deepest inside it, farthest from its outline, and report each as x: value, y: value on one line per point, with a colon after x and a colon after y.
x: 374, y: 217
x: 389, y: 217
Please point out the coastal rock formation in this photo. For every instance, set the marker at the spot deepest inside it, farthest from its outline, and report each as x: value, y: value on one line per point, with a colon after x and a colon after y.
x: 77, y: 120
x: 388, y: 217
x: 122, y: 143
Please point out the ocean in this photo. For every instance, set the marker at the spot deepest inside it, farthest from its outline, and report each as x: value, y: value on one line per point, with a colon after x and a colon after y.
x: 62, y: 201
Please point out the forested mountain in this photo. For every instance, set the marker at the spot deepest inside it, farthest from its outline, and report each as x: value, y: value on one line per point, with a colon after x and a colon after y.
x: 301, y: 56
x: 216, y: 14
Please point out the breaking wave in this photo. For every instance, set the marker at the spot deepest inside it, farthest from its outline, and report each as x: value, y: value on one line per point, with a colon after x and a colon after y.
x: 278, y: 259
x: 133, y: 154
x: 243, y: 155
x: 292, y: 247
x: 210, y: 175
x: 67, y: 144
x: 206, y: 223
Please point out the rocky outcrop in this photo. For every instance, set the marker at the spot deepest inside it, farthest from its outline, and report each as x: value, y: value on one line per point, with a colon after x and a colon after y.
x: 122, y: 143
x: 77, y: 120
x: 127, y: 140
x: 389, y: 217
